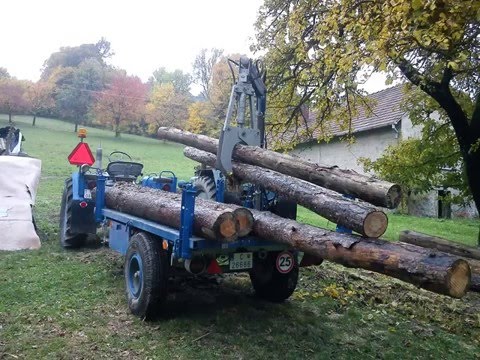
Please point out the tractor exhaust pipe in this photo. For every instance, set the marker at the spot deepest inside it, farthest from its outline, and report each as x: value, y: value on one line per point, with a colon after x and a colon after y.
x: 196, y: 266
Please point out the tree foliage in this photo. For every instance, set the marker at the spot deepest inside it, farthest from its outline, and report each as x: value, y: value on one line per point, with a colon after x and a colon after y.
x: 121, y: 103
x: 318, y: 52
x: 4, y: 73
x: 181, y: 81
x: 167, y: 107
x: 72, y: 57
x: 77, y: 89
x: 12, y: 99
x: 39, y: 97
x: 212, y: 73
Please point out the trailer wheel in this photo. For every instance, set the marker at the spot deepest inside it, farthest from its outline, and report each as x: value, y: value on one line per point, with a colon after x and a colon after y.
x: 68, y: 239
x: 271, y: 284
x: 206, y: 188
x: 146, y: 275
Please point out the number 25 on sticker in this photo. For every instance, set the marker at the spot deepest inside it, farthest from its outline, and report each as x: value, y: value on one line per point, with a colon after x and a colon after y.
x: 285, y: 262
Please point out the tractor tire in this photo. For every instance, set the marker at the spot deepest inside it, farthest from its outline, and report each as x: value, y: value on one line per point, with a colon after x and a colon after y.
x: 146, y: 275
x: 69, y: 240
x: 206, y: 188
x: 270, y: 284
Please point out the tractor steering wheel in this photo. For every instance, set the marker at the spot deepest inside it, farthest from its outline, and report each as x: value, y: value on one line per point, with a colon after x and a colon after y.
x: 119, y: 156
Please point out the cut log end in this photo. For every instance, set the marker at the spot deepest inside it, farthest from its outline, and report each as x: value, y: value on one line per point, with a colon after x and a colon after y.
x: 375, y: 224
x: 245, y: 221
x: 458, y: 279
x: 226, y: 227
x: 394, y: 196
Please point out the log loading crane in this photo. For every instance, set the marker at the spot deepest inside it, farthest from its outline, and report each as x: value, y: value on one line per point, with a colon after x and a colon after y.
x: 154, y: 252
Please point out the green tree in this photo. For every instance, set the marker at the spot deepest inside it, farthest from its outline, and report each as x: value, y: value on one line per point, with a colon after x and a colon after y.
x: 318, y: 52
x: 181, y: 81
x: 416, y: 163
x: 74, y: 56
x: 77, y: 89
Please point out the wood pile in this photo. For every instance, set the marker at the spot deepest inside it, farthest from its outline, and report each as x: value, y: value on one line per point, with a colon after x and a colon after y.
x: 319, y: 188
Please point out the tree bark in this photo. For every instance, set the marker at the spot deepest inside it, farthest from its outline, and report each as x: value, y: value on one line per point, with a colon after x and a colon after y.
x: 431, y: 270
x: 34, y: 119
x: 357, y: 216
x: 434, y: 242
x: 211, y: 220
x: 374, y: 191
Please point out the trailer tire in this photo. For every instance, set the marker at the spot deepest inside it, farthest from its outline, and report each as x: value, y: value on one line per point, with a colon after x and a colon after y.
x: 206, y: 188
x: 146, y: 275
x: 268, y: 283
x: 69, y: 240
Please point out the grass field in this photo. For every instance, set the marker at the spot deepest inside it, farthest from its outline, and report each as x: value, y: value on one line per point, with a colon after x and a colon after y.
x: 59, y: 304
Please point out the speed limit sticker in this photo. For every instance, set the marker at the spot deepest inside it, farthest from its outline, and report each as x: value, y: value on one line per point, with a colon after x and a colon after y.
x: 285, y: 262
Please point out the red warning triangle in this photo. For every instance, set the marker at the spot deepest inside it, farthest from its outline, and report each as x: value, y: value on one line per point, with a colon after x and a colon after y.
x: 81, y: 155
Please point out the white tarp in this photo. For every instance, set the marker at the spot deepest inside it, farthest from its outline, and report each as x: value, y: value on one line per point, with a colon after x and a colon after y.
x: 19, y: 178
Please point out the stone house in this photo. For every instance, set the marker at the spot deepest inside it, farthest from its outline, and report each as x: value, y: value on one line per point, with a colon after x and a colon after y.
x: 387, y: 125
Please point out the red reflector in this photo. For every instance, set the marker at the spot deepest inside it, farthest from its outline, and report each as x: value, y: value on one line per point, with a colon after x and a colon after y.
x: 83, y: 204
x: 81, y: 155
x: 166, y: 187
x: 213, y: 268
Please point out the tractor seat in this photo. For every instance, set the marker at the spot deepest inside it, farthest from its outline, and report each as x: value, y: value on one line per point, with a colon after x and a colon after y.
x: 124, y: 170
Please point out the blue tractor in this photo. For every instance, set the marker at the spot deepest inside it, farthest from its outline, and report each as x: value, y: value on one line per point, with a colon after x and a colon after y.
x: 155, y: 252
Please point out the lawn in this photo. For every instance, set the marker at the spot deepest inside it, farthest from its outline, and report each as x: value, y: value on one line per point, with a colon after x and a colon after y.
x: 59, y: 304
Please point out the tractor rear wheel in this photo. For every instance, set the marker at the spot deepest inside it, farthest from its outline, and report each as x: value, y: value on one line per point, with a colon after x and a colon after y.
x: 146, y: 275
x: 206, y: 188
x: 68, y: 239
x: 269, y: 282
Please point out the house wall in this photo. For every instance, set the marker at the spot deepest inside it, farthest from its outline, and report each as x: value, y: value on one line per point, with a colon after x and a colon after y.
x: 370, y: 144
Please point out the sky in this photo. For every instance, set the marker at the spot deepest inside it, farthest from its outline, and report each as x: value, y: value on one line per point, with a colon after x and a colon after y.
x: 144, y: 34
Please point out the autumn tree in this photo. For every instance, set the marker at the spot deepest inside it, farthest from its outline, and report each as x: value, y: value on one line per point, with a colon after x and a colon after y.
x: 12, y: 99
x: 167, y: 107
x: 317, y: 54
x: 198, y: 118
x: 39, y: 97
x: 213, y: 74
x: 122, y: 102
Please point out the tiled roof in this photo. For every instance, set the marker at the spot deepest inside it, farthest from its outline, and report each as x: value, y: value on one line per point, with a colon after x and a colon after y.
x: 385, y: 112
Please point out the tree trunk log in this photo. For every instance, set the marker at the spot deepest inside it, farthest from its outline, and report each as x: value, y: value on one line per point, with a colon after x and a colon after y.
x: 431, y: 270
x: 433, y: 242
x: 467, y: 253
x: 211, y: 220
x: 374, y: 191
x: 357, y: 216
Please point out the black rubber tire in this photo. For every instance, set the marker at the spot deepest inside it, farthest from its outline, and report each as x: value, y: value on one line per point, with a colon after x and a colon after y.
x: 206, y: 188
x: 147, y: 262
x: 69, y: 240
x: 268, y: 283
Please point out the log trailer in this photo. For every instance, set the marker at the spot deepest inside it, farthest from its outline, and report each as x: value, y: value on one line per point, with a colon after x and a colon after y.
x: 154, y: 252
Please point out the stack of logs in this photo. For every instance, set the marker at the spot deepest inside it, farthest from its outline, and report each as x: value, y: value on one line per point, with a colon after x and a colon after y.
x: 316, y: 187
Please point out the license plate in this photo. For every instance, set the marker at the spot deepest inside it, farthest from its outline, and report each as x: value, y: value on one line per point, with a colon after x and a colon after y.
x: 87, y: 194
x: 240, y: 261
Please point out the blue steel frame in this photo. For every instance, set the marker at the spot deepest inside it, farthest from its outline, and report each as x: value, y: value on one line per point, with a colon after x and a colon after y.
x: 184, y: 245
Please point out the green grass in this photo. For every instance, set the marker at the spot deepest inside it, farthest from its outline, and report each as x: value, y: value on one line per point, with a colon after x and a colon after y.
x: 59, y: 304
